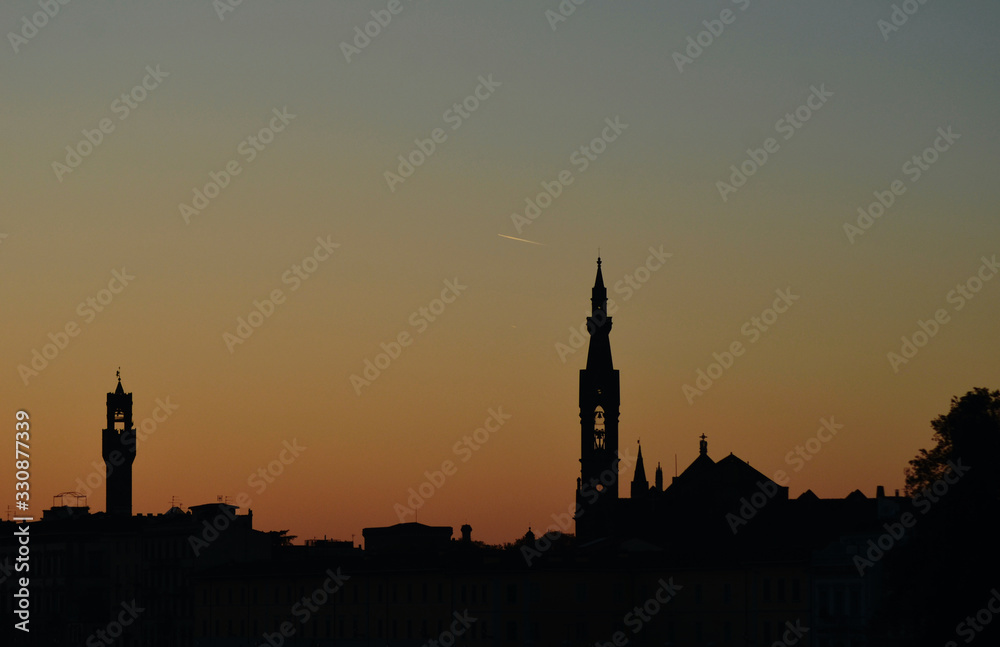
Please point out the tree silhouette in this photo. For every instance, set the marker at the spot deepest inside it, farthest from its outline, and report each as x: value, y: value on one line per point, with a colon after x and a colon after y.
x: 969, y: 432
x: 945, y: 570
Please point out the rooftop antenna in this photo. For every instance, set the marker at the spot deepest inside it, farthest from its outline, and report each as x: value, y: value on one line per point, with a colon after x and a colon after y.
x: 675, y: 464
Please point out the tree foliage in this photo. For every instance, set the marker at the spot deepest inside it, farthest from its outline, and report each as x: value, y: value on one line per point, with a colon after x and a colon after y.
x: 946, y: 567
x: 970, y: 432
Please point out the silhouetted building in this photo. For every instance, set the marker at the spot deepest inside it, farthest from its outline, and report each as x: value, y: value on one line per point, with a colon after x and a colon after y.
x: 407, y: 537
x: 128, y: 576
x: 597, y: 487
x: 118, y: 448
x: 720, y: 556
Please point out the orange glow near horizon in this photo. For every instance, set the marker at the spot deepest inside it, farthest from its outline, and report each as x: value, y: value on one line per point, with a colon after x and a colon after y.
x: 283, y: 244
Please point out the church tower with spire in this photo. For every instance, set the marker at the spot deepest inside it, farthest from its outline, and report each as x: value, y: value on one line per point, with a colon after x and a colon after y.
x: 597, y: 487
x: 118, y: 449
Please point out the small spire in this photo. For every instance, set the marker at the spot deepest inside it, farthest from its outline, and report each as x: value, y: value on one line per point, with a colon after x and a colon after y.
x: 639, y: 483
x: 703, y: 445
x: 640, y: 468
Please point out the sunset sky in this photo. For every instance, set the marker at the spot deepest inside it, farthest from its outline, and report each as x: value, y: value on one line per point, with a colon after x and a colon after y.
x: 291, y: 128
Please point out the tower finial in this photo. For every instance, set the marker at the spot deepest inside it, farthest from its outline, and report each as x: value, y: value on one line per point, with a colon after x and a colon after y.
x: 119, y: 373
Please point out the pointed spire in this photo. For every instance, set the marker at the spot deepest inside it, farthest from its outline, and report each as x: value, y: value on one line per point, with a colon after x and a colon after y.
x: 640, y: 486
x: 703, y: 446
x: 119, y: 390
x: 599, y: 325
x: 640, y: 469
x: 599, y: 295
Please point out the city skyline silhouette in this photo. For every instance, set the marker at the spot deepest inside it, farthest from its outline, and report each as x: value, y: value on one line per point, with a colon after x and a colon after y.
x: 341, y: 257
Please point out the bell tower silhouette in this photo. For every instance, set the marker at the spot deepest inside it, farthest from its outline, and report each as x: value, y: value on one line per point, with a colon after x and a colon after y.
x: 118, y: 449
x: 597, y: 487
